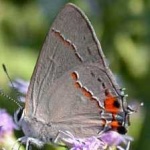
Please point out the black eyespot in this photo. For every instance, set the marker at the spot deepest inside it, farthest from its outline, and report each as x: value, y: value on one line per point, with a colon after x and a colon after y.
x: 122, y: 130
x: 116, y: 104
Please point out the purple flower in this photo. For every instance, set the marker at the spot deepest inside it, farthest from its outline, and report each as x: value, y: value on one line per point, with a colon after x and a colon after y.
x: 113, y: 138
x: 6, y: 124
x: 22, y: 87
x: 101, y: 142
x: 91, y: 143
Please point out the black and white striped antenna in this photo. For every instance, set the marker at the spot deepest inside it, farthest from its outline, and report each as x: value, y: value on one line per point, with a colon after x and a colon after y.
x: 5, y: 95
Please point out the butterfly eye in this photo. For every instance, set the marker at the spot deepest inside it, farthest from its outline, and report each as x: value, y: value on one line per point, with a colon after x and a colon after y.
x: 18, y: 116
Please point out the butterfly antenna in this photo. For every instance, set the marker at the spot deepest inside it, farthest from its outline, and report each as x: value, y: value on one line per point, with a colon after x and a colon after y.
x: 8, y: 97
x: 6, y: 72
x: 136, y: 109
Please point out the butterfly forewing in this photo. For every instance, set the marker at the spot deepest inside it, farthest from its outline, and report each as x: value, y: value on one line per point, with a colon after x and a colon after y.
x: 70, y: 48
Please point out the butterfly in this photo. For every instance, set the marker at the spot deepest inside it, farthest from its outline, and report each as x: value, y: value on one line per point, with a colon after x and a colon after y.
x: 72, y: 89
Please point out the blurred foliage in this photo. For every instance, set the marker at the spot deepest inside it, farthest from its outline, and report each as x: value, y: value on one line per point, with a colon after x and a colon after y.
x: 122, y: 27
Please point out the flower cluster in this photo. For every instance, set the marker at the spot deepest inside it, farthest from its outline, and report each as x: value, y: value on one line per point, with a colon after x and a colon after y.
x: 6, y: 124
x: 21, y: 86
x: 103, y: 141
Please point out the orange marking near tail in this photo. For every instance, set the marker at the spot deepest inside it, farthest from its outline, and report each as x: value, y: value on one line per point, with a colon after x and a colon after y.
x: 111, y: 103
x: 114, y: 124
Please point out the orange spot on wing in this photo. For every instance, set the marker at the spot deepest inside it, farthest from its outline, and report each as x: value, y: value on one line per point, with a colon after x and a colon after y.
x: 103, y: 122
x: 114, y: 124
x: 62, y: 38
x: 67, y: 43
x: 86, y: 93
x: 74, y: 76
x: 77, y: 85
x: 109, y: 103
x: 84, y: 90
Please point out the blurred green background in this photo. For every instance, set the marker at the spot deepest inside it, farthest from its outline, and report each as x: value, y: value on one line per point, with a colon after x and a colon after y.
x: 122, y: 27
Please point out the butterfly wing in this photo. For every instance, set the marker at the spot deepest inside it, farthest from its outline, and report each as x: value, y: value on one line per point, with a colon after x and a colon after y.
x: 66, y: 86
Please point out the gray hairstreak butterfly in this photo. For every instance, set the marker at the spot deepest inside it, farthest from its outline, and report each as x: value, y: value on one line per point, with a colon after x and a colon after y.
x: 72, y: 90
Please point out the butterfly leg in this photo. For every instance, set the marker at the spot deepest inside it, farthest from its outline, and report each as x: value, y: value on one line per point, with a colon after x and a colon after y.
x: 33, y: 141
x: 62, y: 134
x: 28, y: 141
x: 127, y: 147
x: 22, y: 140
x: 120, y: 148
